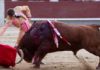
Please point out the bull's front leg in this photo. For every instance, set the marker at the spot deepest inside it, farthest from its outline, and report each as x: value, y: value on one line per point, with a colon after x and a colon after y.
x: 43, y: 49
x: 38, y: 58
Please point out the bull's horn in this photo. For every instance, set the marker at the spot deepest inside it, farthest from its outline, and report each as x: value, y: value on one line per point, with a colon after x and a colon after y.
x: 20, y: 52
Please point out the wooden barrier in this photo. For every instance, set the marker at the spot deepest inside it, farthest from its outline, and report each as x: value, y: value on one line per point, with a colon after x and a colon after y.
x: 64, y: 9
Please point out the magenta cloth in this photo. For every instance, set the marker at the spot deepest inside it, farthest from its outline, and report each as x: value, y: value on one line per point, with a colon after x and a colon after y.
x: 25, y: 25
x: 7, y: 55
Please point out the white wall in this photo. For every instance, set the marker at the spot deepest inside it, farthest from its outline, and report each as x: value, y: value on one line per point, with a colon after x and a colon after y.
x: 1, y: 12
x: 87, y: 0
x: 54, y: 0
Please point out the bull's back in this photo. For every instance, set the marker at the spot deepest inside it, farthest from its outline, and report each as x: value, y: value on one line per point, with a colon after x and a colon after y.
x: 78, y: 33
x: 69, y: 31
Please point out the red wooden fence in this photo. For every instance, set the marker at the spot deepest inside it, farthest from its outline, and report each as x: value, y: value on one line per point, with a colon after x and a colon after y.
x: 64, y: 9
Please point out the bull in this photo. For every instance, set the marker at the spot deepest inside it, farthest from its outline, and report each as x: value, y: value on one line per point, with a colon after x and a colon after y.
x: 39, y: 40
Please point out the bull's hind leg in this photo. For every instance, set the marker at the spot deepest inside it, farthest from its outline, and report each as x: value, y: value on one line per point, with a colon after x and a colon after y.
x: 96, y: 51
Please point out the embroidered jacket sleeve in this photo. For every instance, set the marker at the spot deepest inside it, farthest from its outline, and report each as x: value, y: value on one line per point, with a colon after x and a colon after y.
x: 4, y: 28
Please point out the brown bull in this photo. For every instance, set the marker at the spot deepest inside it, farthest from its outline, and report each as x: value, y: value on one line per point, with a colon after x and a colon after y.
x: 80, y: 37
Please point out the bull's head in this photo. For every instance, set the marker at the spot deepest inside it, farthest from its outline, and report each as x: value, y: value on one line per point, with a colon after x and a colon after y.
x: 31, y: 41
x: 26, y: 47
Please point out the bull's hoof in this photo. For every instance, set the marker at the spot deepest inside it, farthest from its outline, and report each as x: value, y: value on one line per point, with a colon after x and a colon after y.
x: 37, y: 67
x: 98, y: 68
x: 42, y: 63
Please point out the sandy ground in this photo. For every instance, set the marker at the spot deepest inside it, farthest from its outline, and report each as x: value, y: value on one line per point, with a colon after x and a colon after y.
x: 53, y: 61
x: 61, y: 61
